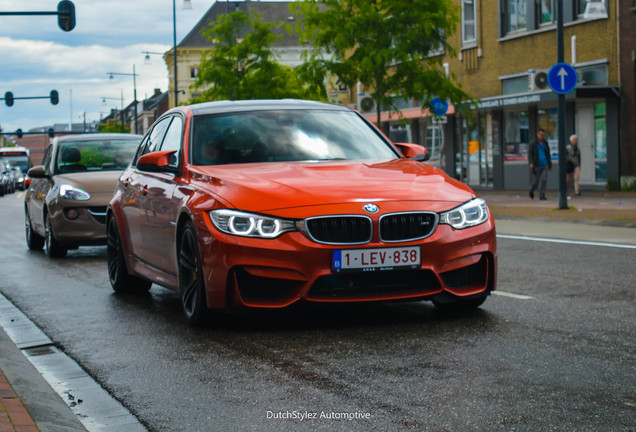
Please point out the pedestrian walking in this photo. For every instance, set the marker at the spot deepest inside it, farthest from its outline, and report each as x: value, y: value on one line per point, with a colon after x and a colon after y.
x: 540, y: 164
x: 573, y: 168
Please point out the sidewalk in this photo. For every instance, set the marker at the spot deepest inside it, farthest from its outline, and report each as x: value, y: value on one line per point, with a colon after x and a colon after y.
x: 13, y: 417
x: 592, y: 207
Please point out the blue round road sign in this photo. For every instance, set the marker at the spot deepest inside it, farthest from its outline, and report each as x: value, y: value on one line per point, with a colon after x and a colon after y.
x: 439, y: 107
x: 562, y: 78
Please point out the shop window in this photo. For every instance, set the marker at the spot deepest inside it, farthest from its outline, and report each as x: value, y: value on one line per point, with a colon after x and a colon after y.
x: 469, y: 23
x: 600, y: 142
x: 434, y: 140
x: 548, y: 120
x: 515, y: 136
x: 515, y: 85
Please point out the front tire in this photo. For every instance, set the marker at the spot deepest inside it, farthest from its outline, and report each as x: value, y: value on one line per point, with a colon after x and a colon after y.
x: 34, y: 240
x: 52, y: 248
x: 120, y: 279
x: 191, y: 281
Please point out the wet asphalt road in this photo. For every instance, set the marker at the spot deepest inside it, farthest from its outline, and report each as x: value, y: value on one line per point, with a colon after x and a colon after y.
x: 562, y: 360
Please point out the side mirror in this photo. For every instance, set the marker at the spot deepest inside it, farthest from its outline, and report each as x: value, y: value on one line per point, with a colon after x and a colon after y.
x: 414, y: 151
x: 157, y: 162
x: 37, y: 171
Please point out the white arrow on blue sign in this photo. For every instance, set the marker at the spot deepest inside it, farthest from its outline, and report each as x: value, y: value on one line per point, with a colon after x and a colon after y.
x: 562, y: 78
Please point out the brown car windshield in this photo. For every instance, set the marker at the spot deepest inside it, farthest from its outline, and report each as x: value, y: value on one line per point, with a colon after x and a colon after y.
x: 95, y: 155
x: 285, y: 135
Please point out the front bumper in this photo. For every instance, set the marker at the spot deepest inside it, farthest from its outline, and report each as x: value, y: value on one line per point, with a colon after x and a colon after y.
x: 277, y: 273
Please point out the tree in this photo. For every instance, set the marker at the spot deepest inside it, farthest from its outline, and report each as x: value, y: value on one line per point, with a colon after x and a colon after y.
x: 112, y: 126
x: 391, y: 47
x: 241, y: 64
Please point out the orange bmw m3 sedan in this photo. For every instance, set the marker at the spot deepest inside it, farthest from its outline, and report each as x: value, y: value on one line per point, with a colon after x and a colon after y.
x: 266, y: 203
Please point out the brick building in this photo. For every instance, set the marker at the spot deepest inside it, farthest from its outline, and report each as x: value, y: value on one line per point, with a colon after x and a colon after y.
x: 505, y: 48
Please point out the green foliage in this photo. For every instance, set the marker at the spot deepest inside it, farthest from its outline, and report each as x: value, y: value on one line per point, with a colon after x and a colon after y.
x: 113, y: 127
x: 392, y: 47
x: 241, y: 64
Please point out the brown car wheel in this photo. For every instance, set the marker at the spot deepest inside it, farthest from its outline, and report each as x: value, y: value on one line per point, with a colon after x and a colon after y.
x: 191, y: 283
x: 120, y: 279
x: 52, y: 248
x: 34, y: 240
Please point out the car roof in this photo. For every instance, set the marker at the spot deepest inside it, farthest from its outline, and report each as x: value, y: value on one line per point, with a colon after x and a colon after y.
x: 98, y: 136
x: 259, y: 105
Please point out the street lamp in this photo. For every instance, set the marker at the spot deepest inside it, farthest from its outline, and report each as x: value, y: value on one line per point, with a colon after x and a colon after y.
x: 147, y: 56
x: 111, y: 77
x: 187, y: 4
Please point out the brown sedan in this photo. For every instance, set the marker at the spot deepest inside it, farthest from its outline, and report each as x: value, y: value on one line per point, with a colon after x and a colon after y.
x: 65, y: 206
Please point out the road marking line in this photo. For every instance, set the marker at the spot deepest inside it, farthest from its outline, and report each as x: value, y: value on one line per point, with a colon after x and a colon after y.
x: 517, y: 296
x: 555, y: 240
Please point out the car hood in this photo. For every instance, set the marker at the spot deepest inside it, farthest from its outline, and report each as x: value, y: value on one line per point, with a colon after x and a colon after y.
x: 264, y: 187
x: 92, y: 182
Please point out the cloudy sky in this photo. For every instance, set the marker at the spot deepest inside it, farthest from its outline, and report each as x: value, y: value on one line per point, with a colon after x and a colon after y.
x: 36, y: 56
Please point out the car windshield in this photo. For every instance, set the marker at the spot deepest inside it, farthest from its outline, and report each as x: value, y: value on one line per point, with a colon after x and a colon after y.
x: 285, y: 135
x: 95, y: 155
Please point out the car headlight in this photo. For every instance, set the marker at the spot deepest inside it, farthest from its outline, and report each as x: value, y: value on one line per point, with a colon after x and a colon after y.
x: 249, y: 224
x: 472, y: 213
x: 72, y: 193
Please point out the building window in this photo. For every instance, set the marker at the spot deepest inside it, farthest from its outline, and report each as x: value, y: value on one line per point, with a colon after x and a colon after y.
x: 515, y: 85
x: 580, y: 7
x: 592, y: 75
x: 469, y: 23
x: 546, y: 12
x: 194, y: 73
x: 515, y: 15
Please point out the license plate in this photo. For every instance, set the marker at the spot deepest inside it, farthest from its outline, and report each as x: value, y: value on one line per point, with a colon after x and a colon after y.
x: 379, y: 259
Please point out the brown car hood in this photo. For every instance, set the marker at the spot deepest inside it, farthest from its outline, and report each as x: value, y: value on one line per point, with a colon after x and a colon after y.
x: 97, y: 182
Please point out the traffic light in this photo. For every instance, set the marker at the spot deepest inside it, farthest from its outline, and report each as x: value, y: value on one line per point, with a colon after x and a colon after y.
x: 8, y: 98
x: 19, y: 133
x: 51, y: 133
x: 55, y: 97
x: 66, y: 15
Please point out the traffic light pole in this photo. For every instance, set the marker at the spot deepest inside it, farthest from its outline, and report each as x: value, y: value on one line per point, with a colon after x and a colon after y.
x: 9, y: 98
x: 563, y: 198
x: 65, y: 14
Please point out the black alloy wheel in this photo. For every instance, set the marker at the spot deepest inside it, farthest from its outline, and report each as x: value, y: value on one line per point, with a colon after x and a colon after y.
x: 191, y: 282
x: 34, y: 240
x: 52, y: 247
x: 120, y: 279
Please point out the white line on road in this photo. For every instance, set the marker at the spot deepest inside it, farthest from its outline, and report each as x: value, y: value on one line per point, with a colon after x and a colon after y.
x: 517, y: 296
x: 555, y: 240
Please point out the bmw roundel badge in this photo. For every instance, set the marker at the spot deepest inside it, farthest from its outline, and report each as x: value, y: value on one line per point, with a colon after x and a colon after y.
x: 371, y: 208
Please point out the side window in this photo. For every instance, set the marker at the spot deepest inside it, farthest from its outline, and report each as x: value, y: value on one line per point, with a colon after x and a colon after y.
x: 46, y: 160
x: 173, y: 138
x: 157, y: 134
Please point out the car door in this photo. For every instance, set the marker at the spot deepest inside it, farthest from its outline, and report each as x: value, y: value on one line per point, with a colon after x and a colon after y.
x: 39, y: 189
x: 161, y: 206
x: 134, y: 194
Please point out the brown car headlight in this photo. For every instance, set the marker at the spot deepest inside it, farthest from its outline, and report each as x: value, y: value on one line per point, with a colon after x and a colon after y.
x: 72, y: 193
x: 472, y: 213
x: 249, y: 224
